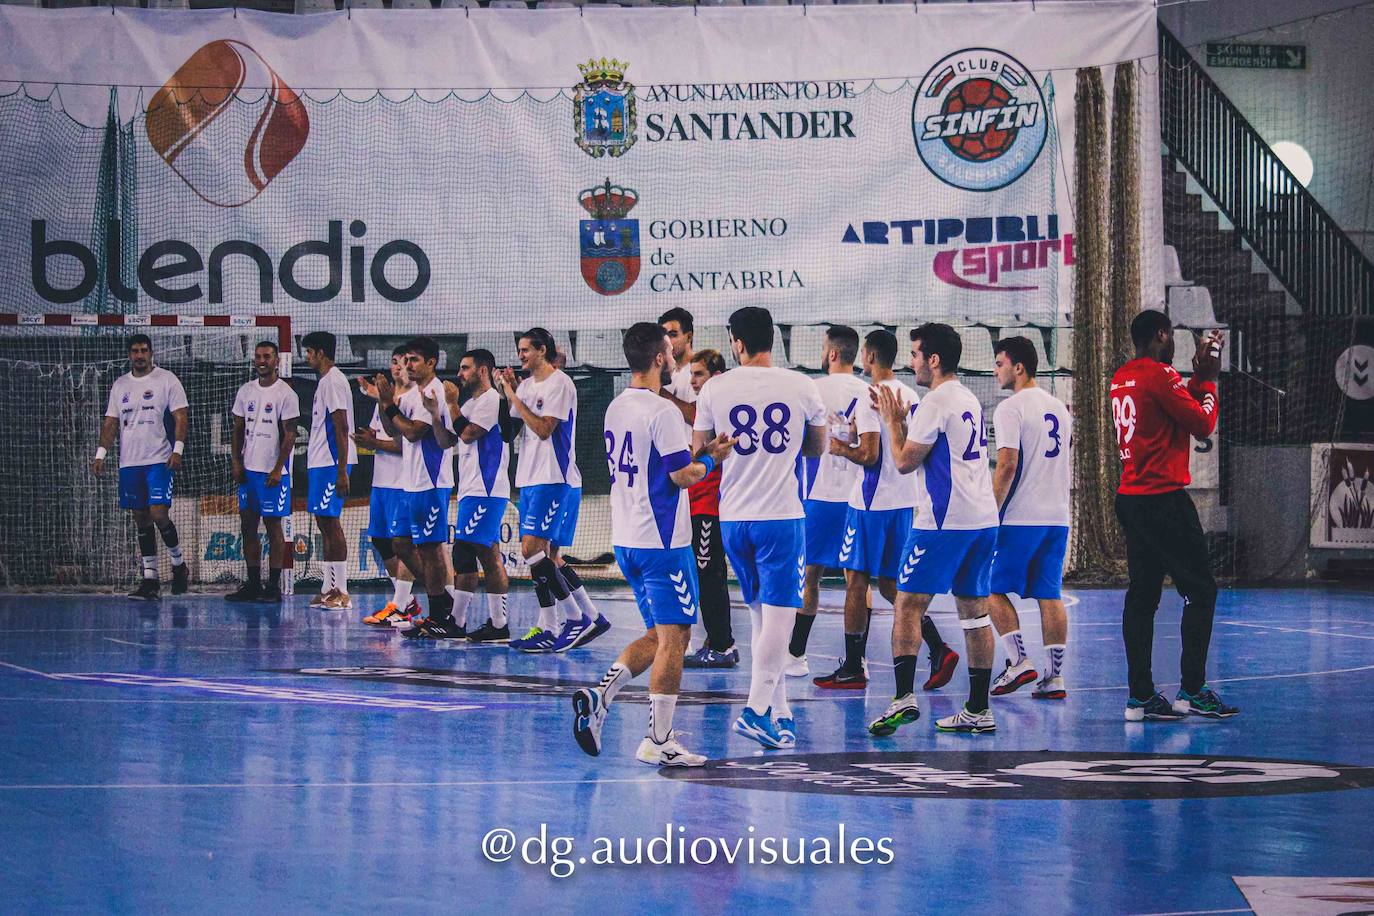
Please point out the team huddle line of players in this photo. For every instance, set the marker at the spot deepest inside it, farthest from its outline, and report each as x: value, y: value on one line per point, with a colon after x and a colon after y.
x: 782, y: 474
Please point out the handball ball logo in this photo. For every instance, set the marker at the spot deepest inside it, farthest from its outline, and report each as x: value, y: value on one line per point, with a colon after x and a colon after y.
x: 227, y: 149
x: 979, y: 119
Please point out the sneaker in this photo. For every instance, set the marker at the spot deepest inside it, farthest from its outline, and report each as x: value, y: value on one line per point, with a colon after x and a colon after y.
x: 968, y: 722
x: 670, y: 753
x: 706, y: 657
x: 589, y: 714
x: 181, y: 579
x: 148, y: 590
x: 488, y: 633
x: 322, y: 597
x: 842, y: 679
x: 417, y: 630
x: 1156, y: 708
x: 271, y: 594
x: 941, y: 669
x: 1204, y: 703
x: 760, y: 728
x: 540, y: 643
x: 448, y: 628
x: 1014, y: 677
x: 598, y: 628
x: 247, y: 592
x: 796, y: 666
x: 902, y: 711
x: 383, y: 618
x: 529, y: 634
x: 696, y: 659
x: 1049, y: 688
x: 340, y: 601
x: 412, y: 613
x: 787, y: 730
x: 572, y: 630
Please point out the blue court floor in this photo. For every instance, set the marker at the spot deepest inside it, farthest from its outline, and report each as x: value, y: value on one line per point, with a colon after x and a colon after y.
x: 189, y: 756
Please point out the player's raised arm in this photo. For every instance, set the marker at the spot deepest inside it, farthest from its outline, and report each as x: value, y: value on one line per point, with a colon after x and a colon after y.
x: 542, y: 426
x: 908, y: 453
x: 697, y: 470
x: 442, y: 433
x: 863, y: 445
x: 412, y: 430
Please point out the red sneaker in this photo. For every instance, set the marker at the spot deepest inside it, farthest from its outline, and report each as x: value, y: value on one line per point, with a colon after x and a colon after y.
x: 942, y: 669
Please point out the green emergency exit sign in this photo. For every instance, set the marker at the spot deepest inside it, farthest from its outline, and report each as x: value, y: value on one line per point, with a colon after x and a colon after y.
x: 1256, y: 57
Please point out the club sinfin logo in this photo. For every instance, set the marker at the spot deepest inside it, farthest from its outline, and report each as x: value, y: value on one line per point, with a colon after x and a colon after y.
x: 979, y: 119
x: 604, y: 109
x: 227, y: 149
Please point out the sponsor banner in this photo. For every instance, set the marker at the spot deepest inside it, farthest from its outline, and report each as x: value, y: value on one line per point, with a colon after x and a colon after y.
x: 375, y: 171
x: 1342, y: 495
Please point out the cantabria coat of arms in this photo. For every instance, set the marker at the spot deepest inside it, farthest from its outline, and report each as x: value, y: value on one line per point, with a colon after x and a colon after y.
x: 604, y: 109
x: 610, y: 239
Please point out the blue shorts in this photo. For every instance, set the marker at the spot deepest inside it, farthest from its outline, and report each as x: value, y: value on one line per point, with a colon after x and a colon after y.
x: 479, y: 519
x: 958, y: 562
x: 322, y: 495
x: 541, y: 509
x: 768, y: 559
x: 145, y: 485
x: 566, y: 526
x: 388, y: 514
x: 824, y: 526
x: 428, y: 516
x: 257, y: 497
x: 874, y: 540
x: 664, y: 583
x: 1029, y: 560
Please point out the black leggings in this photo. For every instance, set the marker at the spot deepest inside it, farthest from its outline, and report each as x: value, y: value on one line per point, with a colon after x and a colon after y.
x: 715, y: 596
x: 1163, y: 535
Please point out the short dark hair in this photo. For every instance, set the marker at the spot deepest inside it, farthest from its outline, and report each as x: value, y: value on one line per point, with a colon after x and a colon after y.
x: 680, y: 315
x: 883, y: 345
x: 481, y: 357
x: 753, y: 327
x: 267, y: 343
x: 1146, y: 325
x: 643, y: 341
x: 399, y: 350
x: 1019, y: 350
x: 140, y: 339
x: 542, y: 339
x: 940, y: 340
x: 323, y: 341
x: 711, y: 359
x: 424, y: 347
x: 845, y: 339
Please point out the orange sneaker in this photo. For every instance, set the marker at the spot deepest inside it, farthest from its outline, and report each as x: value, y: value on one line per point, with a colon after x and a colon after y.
x: 383, y: 617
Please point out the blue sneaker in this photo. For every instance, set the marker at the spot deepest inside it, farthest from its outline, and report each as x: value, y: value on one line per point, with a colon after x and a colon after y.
x: 522, y: 641
x: 571, y: 632
x: 1204, y: 703
x: 589, y: 714
x: 597, y: 628
x: 1156, y: 708
x: 536, y: 642
x: 760, y: 728
x: 787, y: 731
x: 706, y: 657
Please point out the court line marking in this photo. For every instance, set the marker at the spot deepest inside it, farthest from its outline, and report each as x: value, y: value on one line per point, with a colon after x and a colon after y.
x: 1197, y: 912
x: 1261, y: 626
x: 29, y: 671
x: 1248, y: 677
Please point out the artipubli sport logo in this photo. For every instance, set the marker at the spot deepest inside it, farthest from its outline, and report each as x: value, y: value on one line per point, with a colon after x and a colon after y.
x: 979, y: 119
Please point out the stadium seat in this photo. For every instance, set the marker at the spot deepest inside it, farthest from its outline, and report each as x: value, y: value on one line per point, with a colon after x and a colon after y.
x: 1063, y: 348
x: 1032, y: 334
x: 854, y: 2
x: 167, y: 5
x: 411, y: 5
x: 500, y: 343
x: 720, y: 2
x: 780, y: 359
x: 1173, y: 272
x: 555, y: 5
x: 712, y: 337
x: 636, y: 2
x: 22, y: 2
x: 315, y: 6
x: 765, y: 2
x: 806, y: 345
x: 364, y: 5
x: 977, y: 356
x: 815, y: 3
x: 604, y: 5
x: 1191, y: 307
x: 601, y: 349
x: 459, y: 4
x: 508, y: 5
x: 1185, y: 348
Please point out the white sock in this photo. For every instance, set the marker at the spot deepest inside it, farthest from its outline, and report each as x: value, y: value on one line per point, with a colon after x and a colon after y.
x: 175, y: 553
x: 584, y: 603
x: 1016, y: 646
x: 341, y: 575
x: 769, y: 654
x: 326, y: 577
x: 616, y: 676
x: 661, y: 706
x: 496, y: 609
x: 1056, y: 665
x: 150, y: 567
x: 571, y: 611
x: 548, y: 618
x: 460, y: 606
x: 401, y: 596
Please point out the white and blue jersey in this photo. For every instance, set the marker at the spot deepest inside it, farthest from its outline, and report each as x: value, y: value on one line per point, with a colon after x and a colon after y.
x: 547, y: 467
x: 881, y: 499
x: 388, y: 507
x: 427, y: 466
x: 325, y: 452
x: 828, y: 479
x: 768, y: 410
x: 144, y: 405
x: 1033, y: 539
x: 265, y: 411
x: 651, y: 525
x: 954, y: 533
x: 483, y: 479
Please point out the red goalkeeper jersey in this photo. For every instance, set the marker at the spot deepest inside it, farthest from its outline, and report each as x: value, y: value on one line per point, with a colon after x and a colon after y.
x: 705, y: 494
x: 1156, y: 416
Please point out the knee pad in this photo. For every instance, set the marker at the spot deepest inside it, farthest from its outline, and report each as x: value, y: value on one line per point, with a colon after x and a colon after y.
x: 384, y: 548
x: 464, y: 558
x: 976, y: 623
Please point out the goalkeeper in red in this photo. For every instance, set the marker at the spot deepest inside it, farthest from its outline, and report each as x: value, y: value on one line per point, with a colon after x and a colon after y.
x: 1156, y: 415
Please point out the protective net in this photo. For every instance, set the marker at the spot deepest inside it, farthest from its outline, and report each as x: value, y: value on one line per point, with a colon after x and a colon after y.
x: 60, y: 525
